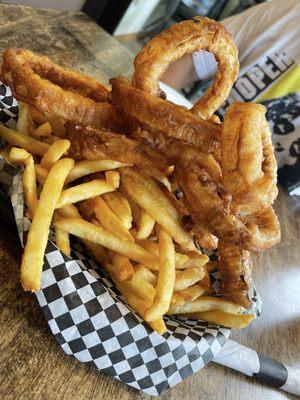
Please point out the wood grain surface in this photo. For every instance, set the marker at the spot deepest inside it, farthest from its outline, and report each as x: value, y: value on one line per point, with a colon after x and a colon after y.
x: 32, y: 365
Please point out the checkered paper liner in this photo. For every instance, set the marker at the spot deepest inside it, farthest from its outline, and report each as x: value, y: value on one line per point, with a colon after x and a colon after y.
x: 93, y: 322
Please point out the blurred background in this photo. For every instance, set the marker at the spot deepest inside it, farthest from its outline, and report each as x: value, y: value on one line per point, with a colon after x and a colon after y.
x: 134, y: 22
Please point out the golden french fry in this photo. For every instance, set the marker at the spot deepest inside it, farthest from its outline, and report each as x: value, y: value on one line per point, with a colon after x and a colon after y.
x: 193, y: 261
x: 146, y: 225
x: 18, y: 156
x: 62, y: 239
x: 37, y: 116
x: 188, y: 277
x: 54, y: 153
x: 29, y: 186
x: 84, y: 191
x: 152, y: 246
x: 50, y: 139
x: 144, y: 273
x: 140, y: 306
x: 113, y: 178
x: 97, y: 251
x: 123, y: 268
x: 41, y: 174
x: 32, y: 261
x: 120, y: 206
x: 25, y: 123
x: 97, y: 234
x: 189, y: 294
x: 86, y: 167
x: 166, y: 277
x: 149, y: 197
x: 218, y: 317
x: 24, y: 141
x: 108, y: 219
x: 69, y: 211
x: 206, y: 303
x: 159, y: 176
x: 43, y: 130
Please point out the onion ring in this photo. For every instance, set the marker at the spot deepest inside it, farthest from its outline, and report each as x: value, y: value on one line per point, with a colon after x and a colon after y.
x: 183, y: 38
x: 161, y: 116
x: 264, y: 230
x: 39, y: 82
x: 248, y: 161
x: 235, y: 267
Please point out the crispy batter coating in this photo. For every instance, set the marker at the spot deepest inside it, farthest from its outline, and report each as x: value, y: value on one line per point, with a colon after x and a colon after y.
x: 39, y: 82
x: 183, y: 38
x: 248, y: 161
x: 235, y: 267
x: 264, y: 230
x: 92, y: 144
x: 165, y: 118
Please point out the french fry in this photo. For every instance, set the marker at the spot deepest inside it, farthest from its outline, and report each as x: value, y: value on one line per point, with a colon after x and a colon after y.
x: 18, y: 156
x: 137, y: 285
x: 62, y: 239
x: 57, y: 125
x: 38, y: 116
x: 108, y: 219
x: 140, y: 306
x: 120, y: 206
x: 123, y: 268
x: 86, y: 167
x: 195, y: 260
x: 148, y: 196
x: 166, y: 277
x: 84, y: 191
x: 206, y: 303
x: 146, y: 225
x: 97, y: 251
x: 54, y: 153
x: 25, y: 123
x: 188, y: 277
x: 189, y: 294
x: 41, y: 174
x: 29, y: 186
x: 43, y: 130
x: 26, y: 142
x: 69, y: 211
x: 21, y: 156
x: 144, y: 273
x: 97, y: 234
x: 32, y: 261
x: 152, y: 246
x: 159, y: 176
x: 113, y: 178
x: 218, y: 317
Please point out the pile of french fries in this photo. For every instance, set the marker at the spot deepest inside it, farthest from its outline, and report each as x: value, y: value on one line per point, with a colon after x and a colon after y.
x: 122, y: 216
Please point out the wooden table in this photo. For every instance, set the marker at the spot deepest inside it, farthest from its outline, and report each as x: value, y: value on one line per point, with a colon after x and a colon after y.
x: 32, y: 365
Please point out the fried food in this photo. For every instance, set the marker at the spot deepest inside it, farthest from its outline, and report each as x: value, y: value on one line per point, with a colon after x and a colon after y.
x: 44, y: 85
x: 235, y: 267
x: 164, y: 118
x: 33, y: 257
x: 248, y: 161
x: 93, y: 144
x: 184, y: 38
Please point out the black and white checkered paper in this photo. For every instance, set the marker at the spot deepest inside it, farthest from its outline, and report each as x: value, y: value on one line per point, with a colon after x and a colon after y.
x: 93, y: 322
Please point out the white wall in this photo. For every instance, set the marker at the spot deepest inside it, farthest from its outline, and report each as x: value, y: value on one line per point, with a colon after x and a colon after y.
x: 68, y: 5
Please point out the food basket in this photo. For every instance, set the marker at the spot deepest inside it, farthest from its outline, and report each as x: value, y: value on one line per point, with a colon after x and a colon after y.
x: 92, y: 321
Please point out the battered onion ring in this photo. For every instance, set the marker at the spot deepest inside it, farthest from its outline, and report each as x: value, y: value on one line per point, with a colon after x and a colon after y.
x: 264, y: 230
x: 207, y: 201
x: 183, y: 38
x: 46, y: 86
x: 235, y: 267
x: 248, y: 161
x: 160, y: 116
